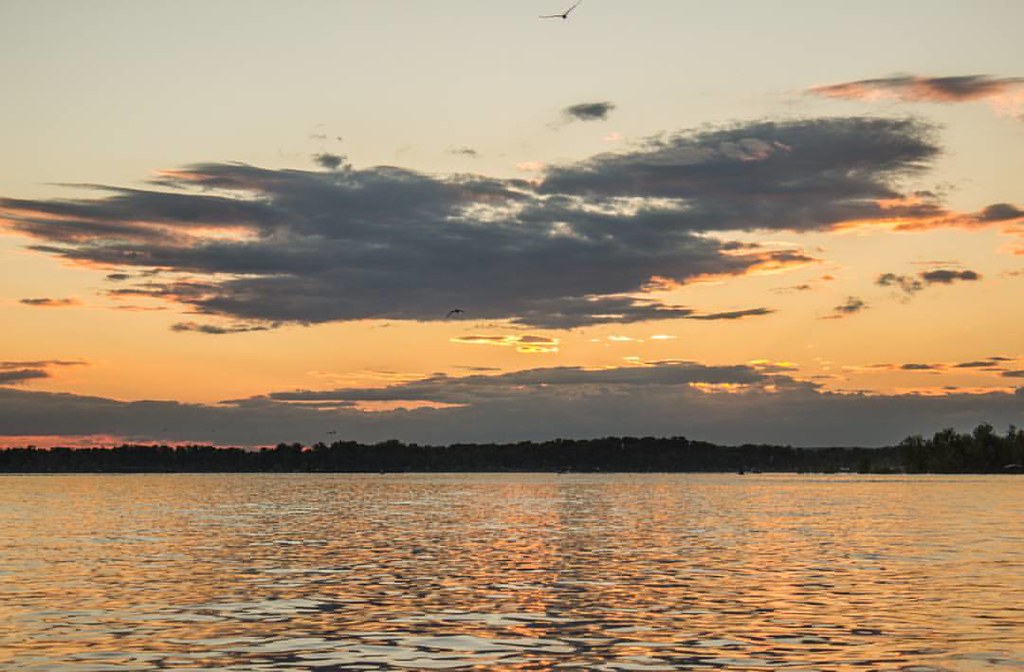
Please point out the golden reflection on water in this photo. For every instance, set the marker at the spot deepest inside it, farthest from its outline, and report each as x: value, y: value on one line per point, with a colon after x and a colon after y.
x: 522, y: 571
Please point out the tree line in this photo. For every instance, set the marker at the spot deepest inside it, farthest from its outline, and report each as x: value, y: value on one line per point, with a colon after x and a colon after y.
x: 981, y: 451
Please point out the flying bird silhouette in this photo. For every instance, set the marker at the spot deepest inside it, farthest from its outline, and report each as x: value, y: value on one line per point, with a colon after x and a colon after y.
x: 564, y: 15
x: 454, y: 311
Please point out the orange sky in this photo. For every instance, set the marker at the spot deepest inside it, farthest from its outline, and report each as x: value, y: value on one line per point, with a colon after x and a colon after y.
x: 774, y: 227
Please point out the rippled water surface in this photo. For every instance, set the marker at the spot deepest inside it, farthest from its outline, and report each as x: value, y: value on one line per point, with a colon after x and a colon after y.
x: 524, y: 571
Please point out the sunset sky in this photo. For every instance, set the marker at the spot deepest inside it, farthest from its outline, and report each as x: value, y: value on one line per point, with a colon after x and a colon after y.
x: 250, y: 222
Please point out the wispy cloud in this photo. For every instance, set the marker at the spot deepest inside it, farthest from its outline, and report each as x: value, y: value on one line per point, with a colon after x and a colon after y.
x: 464, y: 151
x: 526, y: 344
x: 851, y: 306
x: 1006, y: 94
x: 922, y: 367
x: 218, y: 329
x: 45, y: 302
x: 15, y: 376
x: 734, y: 314
x: 906, y: 283
x: 986, y: 366
x: 923, y: 89
x: 765, y: 402
x: 911, y: 285
x: 17, y: 372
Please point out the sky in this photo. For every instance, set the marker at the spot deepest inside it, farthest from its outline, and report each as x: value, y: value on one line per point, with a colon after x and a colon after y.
x: 243, y: 223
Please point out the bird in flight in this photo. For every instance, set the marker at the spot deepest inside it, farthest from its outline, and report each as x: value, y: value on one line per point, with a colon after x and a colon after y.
x: 453, y: 312
x: 564, y: 15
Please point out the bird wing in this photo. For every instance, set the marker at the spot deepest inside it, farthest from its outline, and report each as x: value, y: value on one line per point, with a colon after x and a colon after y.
x: 550, y: 16
x: 573, y: 7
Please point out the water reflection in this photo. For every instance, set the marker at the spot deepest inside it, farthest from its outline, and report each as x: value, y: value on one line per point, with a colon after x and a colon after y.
x: 652, y: 572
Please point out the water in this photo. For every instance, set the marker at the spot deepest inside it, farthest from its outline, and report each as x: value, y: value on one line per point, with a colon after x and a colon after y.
x: 524, y: 571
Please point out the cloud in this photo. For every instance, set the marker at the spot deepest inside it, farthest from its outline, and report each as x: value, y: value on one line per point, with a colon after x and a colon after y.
x: 464, y: 151
x: 987, y: 364
x: 1004, y: 94
x: 468, y: 390
x: 118, y: 277
x: 981, y: 363
x: 852, y: 306
x: 16, y: 372
x: 217, y: 329
x: 15, y: 376
x: 1013, y: 374
x: 527, y: 344
x: 733, y: 314
x: 589, y: 111
x: 906, y: 283
x: 727, y: 404
x: 581, y: 247
x: 1001, y: 212
x: 810, y: 175
x: 328, y: 160
x: 923, y: 89
x: 946, y: 276
x: 922, y: 367
x: 911, y: 285
x: 36, y: 363
x: 50, y: 303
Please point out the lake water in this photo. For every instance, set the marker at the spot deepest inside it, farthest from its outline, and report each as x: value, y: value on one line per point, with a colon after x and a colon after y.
x: 523, y: 571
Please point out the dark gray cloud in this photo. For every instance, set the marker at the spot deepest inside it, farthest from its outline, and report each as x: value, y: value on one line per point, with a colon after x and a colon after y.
x: 911, y: 285
x: 589, y: 111
x: 570, y: 313
x: 946, y: 276
x: 292, y: 246
x: 851, y: 306
x: 465, y: 151
x: 908, y: 284
x: 980, y: 363
x: 924, y: 89
x: 733, y: 314
x: 118, y: 277
x: 218, y: 329
x: 988, y: 364
x: 1001, y: 212
x: 1013, y: 374
x: 478, y: 388
x: 46, y: 302
x: 15, y: 376
x: 728, y: 404
x: 807, y: 175
x: 16, y: 372
x: 37, y: 363
x: 328, y: 160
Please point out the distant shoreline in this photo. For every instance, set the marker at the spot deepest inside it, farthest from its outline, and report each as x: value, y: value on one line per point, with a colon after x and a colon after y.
x: 982, y: 451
